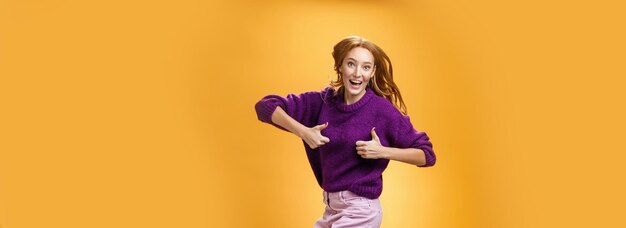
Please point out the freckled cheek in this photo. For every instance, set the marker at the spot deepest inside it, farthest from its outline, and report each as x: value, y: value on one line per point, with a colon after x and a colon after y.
x: 346, y: 70
x: 368, y: 79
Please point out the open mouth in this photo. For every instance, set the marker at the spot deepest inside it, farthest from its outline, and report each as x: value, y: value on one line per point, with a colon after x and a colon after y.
x: 356, y: 83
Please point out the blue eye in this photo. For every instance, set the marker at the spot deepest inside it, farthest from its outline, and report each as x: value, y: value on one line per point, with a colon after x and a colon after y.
x: 350, y: 64
x: 367, y: 68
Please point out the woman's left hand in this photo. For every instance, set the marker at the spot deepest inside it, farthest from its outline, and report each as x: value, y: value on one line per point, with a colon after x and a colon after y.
x: 372, y: 149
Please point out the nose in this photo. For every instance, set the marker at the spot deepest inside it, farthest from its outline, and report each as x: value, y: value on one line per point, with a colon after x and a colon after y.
x: 359, y: 72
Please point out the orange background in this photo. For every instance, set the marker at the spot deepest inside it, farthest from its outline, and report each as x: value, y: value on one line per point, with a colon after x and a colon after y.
x: 141, y: 113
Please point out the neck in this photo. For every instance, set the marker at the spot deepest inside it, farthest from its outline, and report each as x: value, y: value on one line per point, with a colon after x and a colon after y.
x: 351, y: 99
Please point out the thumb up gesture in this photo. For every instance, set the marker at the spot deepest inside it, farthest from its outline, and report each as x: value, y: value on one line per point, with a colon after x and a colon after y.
x: 370, y: 149
x: 313, y: 136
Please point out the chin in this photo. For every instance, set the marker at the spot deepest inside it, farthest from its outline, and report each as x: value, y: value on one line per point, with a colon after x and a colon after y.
x: 353, y: 91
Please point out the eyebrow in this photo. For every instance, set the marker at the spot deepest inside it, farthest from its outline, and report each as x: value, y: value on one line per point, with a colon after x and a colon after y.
x: 350, y: 58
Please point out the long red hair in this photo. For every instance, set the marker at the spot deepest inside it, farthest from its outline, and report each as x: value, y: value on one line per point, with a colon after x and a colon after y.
x: 382, y: 84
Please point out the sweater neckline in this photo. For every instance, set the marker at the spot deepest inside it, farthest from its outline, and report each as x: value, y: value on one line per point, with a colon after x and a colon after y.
x: 360, y: 103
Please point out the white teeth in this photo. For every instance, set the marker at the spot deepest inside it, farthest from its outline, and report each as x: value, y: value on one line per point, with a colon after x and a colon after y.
x: 355, y: 82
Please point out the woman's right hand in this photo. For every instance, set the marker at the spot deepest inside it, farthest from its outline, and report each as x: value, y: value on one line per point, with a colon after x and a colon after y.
x: 313, y: 136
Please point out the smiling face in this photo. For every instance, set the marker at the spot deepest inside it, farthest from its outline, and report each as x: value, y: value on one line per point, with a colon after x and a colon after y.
x: 357, y: 69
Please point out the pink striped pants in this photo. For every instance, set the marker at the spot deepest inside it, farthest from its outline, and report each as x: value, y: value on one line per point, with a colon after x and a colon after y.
x: 346, y: 209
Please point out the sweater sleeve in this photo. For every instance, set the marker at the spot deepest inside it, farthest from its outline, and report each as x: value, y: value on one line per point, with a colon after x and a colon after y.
x: 304, y: 108
x: 407, y: 137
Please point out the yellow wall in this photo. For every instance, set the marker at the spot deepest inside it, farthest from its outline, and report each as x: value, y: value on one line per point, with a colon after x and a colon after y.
x: 140, y: 114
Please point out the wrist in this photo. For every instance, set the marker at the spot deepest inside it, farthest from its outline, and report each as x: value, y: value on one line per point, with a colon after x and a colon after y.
x: 387, y: 152
x: 300, y: 131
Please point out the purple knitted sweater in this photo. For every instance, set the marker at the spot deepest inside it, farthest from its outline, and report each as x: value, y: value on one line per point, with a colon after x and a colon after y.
x: 336, y: 165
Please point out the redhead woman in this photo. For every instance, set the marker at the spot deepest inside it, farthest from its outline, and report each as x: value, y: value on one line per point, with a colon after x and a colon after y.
x: 351, y: 130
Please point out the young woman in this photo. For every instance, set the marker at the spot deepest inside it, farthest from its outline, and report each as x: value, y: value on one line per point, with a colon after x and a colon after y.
x: 351, y: 130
